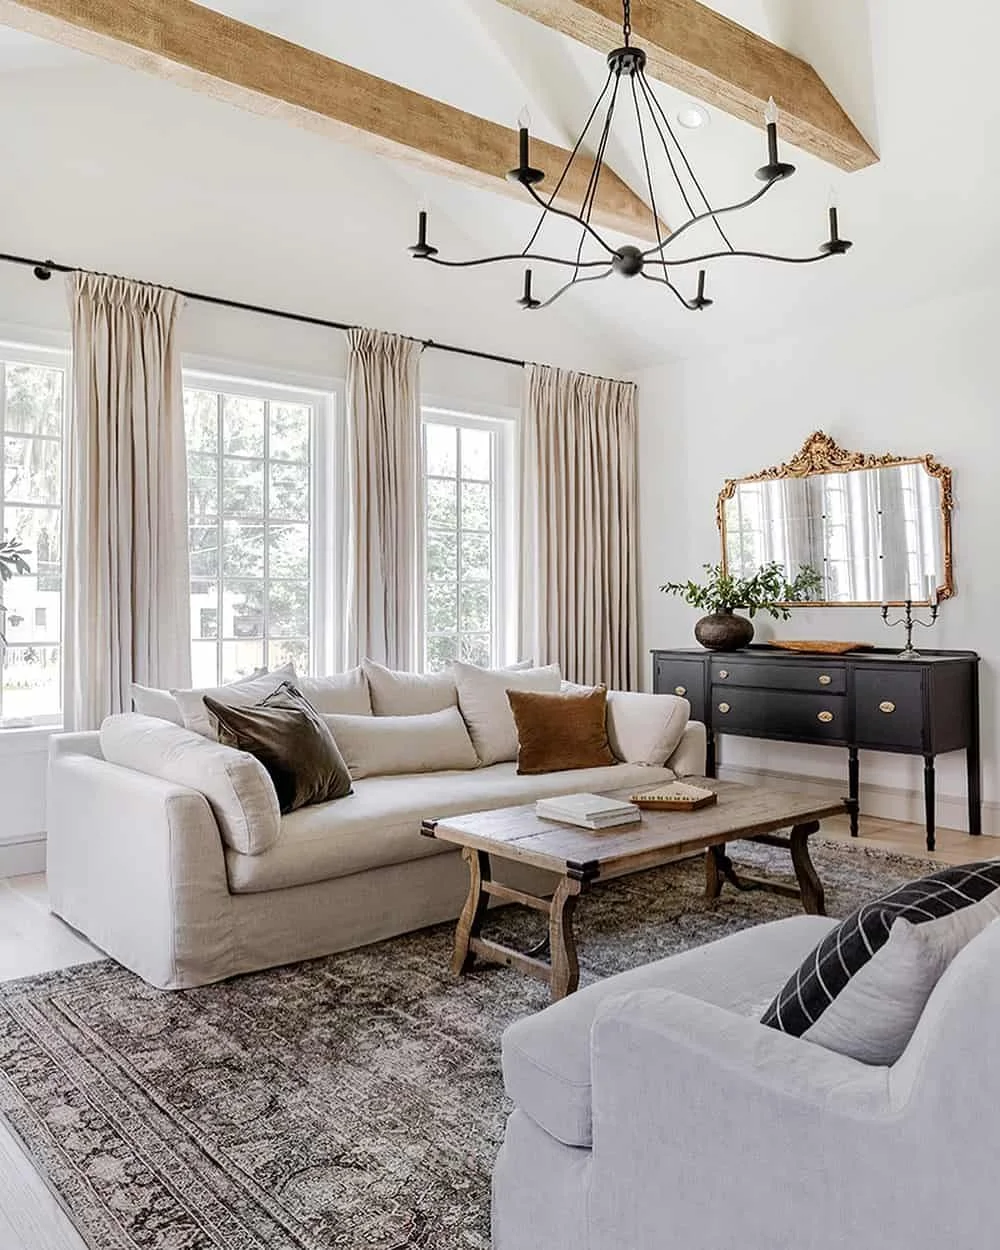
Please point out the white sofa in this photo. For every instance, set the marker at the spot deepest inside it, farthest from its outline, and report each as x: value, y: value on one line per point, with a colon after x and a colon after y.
x: 654, y: 1112
x: 137, y: 863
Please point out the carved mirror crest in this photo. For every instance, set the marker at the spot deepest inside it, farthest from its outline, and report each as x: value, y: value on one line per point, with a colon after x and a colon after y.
x: 875, y: 529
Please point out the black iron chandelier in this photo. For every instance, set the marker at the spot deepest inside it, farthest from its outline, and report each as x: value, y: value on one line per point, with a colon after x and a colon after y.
x: 627, y: 65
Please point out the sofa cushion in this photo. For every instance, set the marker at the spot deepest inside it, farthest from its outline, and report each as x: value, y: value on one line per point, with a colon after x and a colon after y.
x: 238, y: 789
x: 558, y: 731
x: 546, y: 1057
x: 395, y: 693
x: 379, y: 824
x: 243, y: 693
x: 378, y: 746
x: 482, y: 696
x: 293, y: 742
x: 862, y: 991
x: 646, y: 728
x: 342, y: 694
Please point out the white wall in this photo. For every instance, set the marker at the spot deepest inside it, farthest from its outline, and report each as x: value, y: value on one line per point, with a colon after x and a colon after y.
x: 921, y: 381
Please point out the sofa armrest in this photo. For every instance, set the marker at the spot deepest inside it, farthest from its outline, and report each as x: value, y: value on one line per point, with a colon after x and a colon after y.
x: 690, y: 756
x: 137, y: 865
x: 702, y: 1117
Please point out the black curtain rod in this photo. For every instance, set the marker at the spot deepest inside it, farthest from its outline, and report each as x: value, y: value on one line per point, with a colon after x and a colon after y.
x: 44, y: 269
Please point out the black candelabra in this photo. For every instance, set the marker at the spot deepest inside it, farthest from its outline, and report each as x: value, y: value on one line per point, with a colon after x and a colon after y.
x: 909, y: 652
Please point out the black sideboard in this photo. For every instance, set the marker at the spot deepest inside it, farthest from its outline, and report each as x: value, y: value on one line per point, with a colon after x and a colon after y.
x: 865, y: 700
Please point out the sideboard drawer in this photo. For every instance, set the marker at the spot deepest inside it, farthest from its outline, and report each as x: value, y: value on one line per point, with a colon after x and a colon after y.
x: 889, y: 708
x: 775, y: 675
x: 685, y: 678
x: 780, y: 714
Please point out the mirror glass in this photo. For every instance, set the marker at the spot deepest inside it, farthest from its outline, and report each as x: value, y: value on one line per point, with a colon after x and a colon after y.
x: 874, y: 535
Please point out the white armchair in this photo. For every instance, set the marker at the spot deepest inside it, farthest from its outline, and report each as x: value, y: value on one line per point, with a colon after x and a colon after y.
x: 711, y: 1132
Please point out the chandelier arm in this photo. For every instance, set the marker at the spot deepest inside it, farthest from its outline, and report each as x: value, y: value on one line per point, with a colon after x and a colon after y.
x: 562, y: 212
x: 698, y: 260
x: 645, y: 162
x: 664, y: 281
x: 656, y: 107
x: 596, y: 277
x: 572, y: 157
x: 670, y: 161
x: 715, y: 212
x: 590, y: 195
x: 492, y: 260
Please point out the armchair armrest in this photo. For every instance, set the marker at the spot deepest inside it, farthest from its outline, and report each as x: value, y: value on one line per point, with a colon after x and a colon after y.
x: 712, y: 1132
x: 137, y: 865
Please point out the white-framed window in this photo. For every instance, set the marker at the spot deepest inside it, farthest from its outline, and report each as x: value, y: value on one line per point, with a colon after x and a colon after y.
x: 260, y: 578
x: 34, y: 395
x: 466, y: 522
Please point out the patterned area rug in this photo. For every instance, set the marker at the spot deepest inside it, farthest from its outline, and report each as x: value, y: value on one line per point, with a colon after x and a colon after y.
x: 354, y: 1101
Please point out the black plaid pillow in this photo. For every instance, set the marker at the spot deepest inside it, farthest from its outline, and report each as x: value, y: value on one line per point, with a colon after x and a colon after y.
x: 861, y: 991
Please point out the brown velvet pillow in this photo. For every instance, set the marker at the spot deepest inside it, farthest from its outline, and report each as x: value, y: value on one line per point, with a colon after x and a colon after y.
x: 293, y: 742
x: 556, y: 732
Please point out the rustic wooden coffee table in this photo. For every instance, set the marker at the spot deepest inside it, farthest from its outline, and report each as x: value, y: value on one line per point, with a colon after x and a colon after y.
x: 579, y: 857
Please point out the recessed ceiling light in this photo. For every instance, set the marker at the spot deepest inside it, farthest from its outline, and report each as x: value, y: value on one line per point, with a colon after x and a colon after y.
x: 693, y: 117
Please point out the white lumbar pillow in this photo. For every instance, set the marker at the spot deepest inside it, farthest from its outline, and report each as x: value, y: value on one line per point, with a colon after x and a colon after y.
x: 377, y: 746
x: 237, y: 786
x: 149, y: 701
x: 482, y: 697
x: 345, y: 694
x: 243, y: 693
x: 646, y: 728
x: 395, y: 693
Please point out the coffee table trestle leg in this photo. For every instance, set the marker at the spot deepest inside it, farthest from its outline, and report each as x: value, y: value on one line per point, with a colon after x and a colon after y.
x: 470, y: 922
x: 719, y: 869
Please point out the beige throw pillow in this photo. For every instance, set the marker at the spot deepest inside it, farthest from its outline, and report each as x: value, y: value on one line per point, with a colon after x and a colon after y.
x: 241, y: 693
x: 377, y: 746
x: 343, y: 693
x: 646, y: 728
x: 237, y: 786
x: 149, y: 701
x: 482, y: 697
x: 394, y: 693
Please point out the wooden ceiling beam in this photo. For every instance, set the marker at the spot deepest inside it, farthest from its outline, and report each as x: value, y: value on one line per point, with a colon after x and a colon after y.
x: 691, y: 47
x: 242, y: 65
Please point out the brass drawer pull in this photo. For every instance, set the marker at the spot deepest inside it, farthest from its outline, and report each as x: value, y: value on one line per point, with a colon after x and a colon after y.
x: 825, y: 717
x: 825, y: 679
x: 681, y: 690
x: 723, y: 674
x: 888, y: 707
x: 723, y: 708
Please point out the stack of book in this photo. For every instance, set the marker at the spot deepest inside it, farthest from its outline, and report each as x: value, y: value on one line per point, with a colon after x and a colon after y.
x: 588, y: 811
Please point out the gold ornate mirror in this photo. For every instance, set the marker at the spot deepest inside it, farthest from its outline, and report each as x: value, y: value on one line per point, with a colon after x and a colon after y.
x: 876, y: 529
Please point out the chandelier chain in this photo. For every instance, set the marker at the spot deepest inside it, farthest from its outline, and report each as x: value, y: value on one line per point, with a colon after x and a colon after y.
x: 627, y: 22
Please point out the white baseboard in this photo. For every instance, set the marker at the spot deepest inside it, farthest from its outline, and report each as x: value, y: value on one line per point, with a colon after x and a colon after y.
x: 884, y: 802
x: 23, y: 856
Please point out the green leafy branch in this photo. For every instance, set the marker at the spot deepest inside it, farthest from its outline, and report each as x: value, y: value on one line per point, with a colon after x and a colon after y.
x: 767, y: 591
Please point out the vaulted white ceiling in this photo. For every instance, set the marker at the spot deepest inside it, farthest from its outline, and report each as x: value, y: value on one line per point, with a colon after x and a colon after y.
x: 108, y: 168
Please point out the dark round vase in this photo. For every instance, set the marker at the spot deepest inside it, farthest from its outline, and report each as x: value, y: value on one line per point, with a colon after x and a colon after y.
x: 724, y: 631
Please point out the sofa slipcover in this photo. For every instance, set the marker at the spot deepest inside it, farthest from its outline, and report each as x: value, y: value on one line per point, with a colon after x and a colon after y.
x: 379, y: 824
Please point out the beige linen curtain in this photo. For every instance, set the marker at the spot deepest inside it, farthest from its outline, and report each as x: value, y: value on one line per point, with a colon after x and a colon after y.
x: 578, y: 526
x: 383, y: 458
x: 126, y: 588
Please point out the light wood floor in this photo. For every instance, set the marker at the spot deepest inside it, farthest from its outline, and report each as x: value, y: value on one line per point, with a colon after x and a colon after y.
x: 34, y: 941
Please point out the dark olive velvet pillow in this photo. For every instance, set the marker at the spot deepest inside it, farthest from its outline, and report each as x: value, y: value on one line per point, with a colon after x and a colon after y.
x: 293, y: 742
x: 556, y: 732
